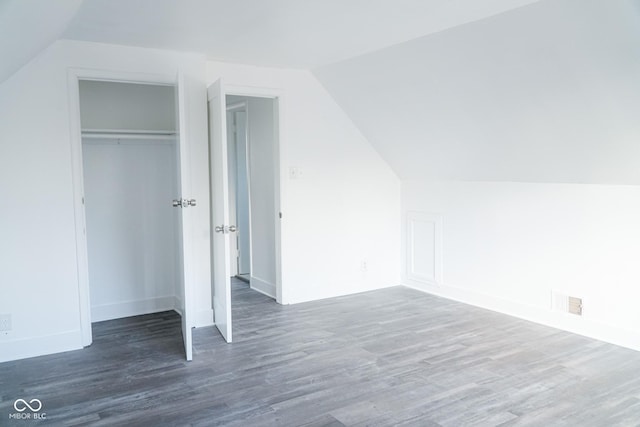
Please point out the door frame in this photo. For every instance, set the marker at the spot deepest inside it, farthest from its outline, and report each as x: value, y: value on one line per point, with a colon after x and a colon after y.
x: 277, y: 95
x: 234, y: 108
x: 74, y: 76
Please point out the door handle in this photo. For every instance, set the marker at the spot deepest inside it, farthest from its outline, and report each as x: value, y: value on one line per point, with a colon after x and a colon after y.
x: 183, y: 203
x: 225, y: 229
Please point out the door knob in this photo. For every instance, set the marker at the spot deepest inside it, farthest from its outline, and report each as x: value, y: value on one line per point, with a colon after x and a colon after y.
x: 225, y: 228
x: 184, y: 203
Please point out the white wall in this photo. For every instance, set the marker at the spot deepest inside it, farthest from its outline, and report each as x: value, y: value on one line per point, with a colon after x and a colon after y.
x: 39, y: 285
x: 261, y: 127
x: 35, y: 24
x: 506, y: 246
x: 548, y: 92
x: 344, y: 209
x: 131, y: 226
x: 125, y: 106
x: 128, y: 185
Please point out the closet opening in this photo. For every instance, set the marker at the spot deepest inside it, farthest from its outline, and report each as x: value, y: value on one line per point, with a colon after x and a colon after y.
x: 130, y: 174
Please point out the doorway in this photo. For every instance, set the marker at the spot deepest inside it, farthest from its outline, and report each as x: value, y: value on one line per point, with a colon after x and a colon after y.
x: 252, y: 179
x: 261, y: 144
x: 239, y: 200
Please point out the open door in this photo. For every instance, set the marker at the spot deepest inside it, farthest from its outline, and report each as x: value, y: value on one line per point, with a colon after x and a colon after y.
x: 220, y: 209
x: 185, y: 207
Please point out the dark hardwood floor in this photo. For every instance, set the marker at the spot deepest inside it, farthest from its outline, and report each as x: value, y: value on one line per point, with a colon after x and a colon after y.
x: 382, y: 358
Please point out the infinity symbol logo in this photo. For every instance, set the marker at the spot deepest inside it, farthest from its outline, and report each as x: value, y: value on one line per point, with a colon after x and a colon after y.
x: 21, y: 405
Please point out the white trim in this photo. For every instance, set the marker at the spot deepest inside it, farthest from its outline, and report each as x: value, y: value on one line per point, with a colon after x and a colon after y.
x: 74, y: 75
x: 247, y: 159
x: 100, y: 313
x: 75, y: 137
x: 544, y: 316
x: 243, y: 106
x: 177, y: 305
x: 94, y: 74
x: 253, y: 91
x: 237, y: 106
x: 262, y: 286
x: 280, y: 184
x: 40, y: 346
x: 412, y: 277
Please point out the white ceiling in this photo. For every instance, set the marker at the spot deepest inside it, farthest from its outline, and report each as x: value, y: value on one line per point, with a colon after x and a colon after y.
x: 526, y: 90
x: 549, y: 92
x: 282, y: 33
x: 29, y: 26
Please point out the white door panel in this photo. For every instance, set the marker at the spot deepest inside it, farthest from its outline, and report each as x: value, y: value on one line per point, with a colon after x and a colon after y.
x: 220, y: 209
x: 185, y: 243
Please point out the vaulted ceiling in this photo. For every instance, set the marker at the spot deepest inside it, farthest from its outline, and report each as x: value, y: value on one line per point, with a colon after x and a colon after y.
x: 506, y: 90
x: 549, y: 92
x: 29, y: 26
x: 281, y: 33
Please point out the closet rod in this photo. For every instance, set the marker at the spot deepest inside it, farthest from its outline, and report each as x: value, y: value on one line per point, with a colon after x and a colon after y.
x: 129, y: 134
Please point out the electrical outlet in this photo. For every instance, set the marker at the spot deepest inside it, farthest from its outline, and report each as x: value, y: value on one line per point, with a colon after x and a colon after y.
x: 294, y: 172
x: 5, y: 322
x: 363, y: 265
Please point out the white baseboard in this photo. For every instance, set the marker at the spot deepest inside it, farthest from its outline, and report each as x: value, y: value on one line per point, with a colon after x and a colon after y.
x: 322, y: 294
x: 67, y: 341
x: 564, y: 321
x: 177, y: 305
x: 40, y: 346
x: 262, y: 286
x: 132, y: 308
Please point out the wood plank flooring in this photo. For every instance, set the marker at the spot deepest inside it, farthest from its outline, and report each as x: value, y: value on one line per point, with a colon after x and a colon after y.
x: 389, y: 357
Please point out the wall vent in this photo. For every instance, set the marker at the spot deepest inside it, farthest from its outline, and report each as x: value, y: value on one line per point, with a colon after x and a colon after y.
x: 575, y: 305
x: 565, y: 303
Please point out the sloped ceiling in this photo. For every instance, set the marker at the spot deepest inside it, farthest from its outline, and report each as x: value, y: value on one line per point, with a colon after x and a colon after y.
x: 505, y: 90
x: 282, y: 33
x: 29, y: 26
x: 549, y: 92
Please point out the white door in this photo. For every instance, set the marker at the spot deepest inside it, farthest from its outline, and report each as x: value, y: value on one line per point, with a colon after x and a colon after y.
x: 185, y: 219
x: 220, y: 209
